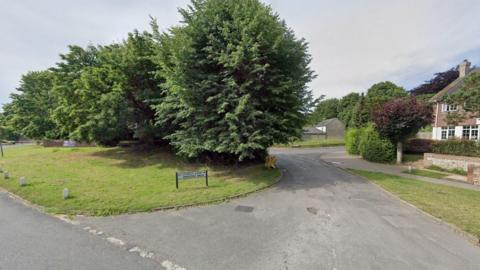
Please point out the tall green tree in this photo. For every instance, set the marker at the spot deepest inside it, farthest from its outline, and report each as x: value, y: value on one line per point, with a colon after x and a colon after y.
x: 30, y: 110
x: 111, y: 96
x: 241, y: 76
x: 346, y: 108
x: 382, y: 92
x: 377, y: 95
x: 325, y: 109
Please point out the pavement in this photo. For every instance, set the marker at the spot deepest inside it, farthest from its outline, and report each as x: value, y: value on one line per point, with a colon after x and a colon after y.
x: 317, y: 217
x: 338, y: 157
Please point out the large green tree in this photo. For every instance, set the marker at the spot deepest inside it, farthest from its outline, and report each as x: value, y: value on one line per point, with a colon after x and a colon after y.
x: 111, y: 96
x: 30, y: 111
x: 377, y: 95
x: 240, y: 74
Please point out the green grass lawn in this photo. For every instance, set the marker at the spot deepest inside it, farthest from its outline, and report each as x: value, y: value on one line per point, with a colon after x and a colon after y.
x: 407, y: 158
x: 315, y: 143
x: 426, y: 173
x: 457, y: 206
x: 458, y: 171
x: 105, y: 181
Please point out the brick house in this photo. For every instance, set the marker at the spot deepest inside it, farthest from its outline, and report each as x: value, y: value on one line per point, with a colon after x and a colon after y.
x: 467, y: 129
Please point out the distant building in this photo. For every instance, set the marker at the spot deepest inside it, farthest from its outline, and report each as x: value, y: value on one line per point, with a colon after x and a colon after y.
x: 329, y: 129
x: 468, y: 128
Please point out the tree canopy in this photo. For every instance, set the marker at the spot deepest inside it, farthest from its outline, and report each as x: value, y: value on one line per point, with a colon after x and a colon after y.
x: 241, y: 76
x: 401, y: 118
x: 437, y: 83
x: 229, y: 82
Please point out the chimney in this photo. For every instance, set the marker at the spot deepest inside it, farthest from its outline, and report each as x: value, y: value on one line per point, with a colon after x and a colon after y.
x: 464, y: 68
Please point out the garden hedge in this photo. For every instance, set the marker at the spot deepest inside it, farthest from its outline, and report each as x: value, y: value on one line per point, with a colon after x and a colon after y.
x: 457, y: 147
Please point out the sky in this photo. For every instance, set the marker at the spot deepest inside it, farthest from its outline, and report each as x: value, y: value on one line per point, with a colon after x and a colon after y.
x: 353, y: 43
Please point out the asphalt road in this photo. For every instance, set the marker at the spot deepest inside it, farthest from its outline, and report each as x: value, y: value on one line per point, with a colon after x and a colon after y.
x: 32, y: 240
x: 317, y: 217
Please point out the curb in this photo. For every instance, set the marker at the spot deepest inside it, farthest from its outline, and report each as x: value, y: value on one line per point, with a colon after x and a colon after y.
x: 468, y: 236
x: 65, y: 218
x: 241, y: 195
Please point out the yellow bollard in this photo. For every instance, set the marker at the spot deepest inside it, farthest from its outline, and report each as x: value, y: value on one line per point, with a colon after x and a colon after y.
x: 271, y: 162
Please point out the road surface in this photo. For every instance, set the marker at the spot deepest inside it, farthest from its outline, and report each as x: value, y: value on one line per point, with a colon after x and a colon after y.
x: 33, y: 240
x: 317, y: 217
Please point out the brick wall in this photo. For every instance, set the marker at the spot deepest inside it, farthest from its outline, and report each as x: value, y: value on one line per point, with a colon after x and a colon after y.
x: 441, y: 117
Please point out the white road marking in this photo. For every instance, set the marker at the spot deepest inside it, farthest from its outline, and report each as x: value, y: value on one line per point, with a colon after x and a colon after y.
x: 115, y: 241
x: 141, y: 252
x: 171, y: 266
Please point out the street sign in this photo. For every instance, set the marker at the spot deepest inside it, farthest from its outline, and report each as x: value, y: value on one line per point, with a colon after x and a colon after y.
x: 189, y: 175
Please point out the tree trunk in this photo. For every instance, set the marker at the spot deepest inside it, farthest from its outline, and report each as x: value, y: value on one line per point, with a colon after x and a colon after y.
x: 399, y: 152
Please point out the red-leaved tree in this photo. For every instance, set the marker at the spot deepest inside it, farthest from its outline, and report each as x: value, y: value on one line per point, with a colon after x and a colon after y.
x: 400, y: 119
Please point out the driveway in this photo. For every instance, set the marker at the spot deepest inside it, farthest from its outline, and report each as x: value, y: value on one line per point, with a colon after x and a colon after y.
x: 317, y: 217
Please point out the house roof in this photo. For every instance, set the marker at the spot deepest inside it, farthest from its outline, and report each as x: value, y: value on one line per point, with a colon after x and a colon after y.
x: 313, y: 130
x: 452, y: 87
x: 326, y: 122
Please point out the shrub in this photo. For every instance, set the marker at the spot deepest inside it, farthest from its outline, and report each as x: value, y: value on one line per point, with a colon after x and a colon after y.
x: 457, y: 147
x: 418, y: 146
x: 374, y: 148
x: 352, y: 139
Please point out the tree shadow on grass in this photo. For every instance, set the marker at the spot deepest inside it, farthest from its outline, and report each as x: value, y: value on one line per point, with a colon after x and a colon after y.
x: 138, y: 157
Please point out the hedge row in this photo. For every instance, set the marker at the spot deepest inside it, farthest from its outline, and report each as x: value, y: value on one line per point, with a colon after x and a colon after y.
x: 368, y: 143
x: 457, y: 147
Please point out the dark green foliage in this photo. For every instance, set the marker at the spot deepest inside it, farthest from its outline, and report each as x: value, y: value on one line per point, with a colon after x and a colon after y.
x: 112, y: 98
x: 457, y: 148
x: 352, y: 140
x: 241, y: 77
x: 324, y: 110
x: 380, y: 93
x: 346, y: 108
x: 361, y: 113
x: 30, y: 111
x: 226, y: 84
x: 374, y: 148
x: 468, y: 96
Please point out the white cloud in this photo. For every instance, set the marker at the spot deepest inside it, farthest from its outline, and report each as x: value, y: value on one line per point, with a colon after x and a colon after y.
x: 353, y: 43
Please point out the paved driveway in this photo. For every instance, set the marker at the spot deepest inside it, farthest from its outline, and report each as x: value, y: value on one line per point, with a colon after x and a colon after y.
x: 317, y: 217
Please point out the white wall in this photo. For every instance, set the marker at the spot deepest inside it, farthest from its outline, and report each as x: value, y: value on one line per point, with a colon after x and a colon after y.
x: 437, y: 133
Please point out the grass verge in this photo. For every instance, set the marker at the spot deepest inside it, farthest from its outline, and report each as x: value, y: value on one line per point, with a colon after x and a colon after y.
x: 437, y: 175
x: 458, y: 171
x: 457, y: 206
x: 107, y: 181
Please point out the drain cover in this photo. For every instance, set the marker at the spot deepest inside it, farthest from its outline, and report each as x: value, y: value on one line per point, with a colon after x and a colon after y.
x: 243, y: 208
x: 312, y: 210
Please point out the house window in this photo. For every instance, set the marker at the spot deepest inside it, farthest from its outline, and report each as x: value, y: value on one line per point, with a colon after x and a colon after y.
x: 448, y: 132
x: 470, y: 133
x: 449, y: 107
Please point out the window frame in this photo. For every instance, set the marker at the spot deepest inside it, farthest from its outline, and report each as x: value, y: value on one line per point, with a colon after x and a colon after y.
x: 470, y: 132
x: 450, y: 107
x: 447, y: 132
